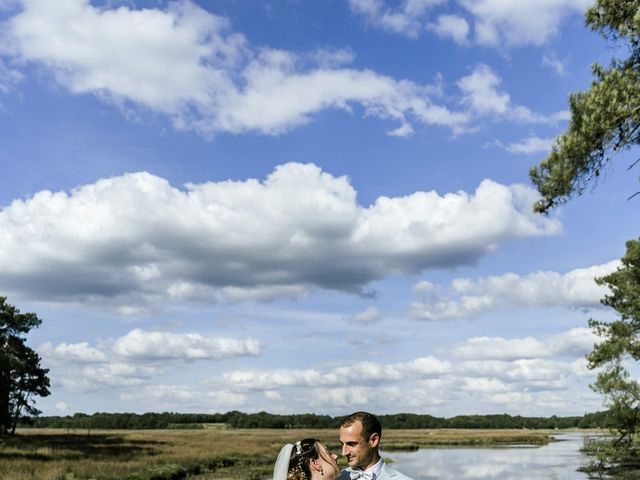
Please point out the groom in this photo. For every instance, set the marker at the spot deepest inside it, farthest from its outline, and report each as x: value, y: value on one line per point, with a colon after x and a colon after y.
x: 360, y: 435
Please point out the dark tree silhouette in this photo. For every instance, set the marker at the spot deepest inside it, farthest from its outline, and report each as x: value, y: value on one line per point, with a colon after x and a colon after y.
x: 21, y: 375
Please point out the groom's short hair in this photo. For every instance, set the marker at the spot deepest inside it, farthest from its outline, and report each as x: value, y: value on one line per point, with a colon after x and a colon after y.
x: 370, y: 424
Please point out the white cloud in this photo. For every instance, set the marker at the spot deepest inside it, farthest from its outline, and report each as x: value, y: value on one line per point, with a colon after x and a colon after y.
x: 164, y: 394
x: 484, y: 385
x: 529, y: 145
x: 535, y: 370
x: 351, y: 397
x: 188, y: 346
x: 481, y: 95
x: 134, y: 359
x: 273, y: 395
x: 127, y: 54
x: 405, y: 19
x: 328, y: 58
x: 71, y: 353
x: 263, y: 293
x: 226, y: 400
x: 361, y: 373
x: 499, y: 22
x: 186, y: 63
x: 500, y: 348
x: 62, y: 408
x: 365, y: 317
x: 112, y: 375
x: 487, y: 372
x: 451, y: 26
x: 526, y: 373
x: 272, y: 379
x: 136, y: 242
x: 480, y: 88
x: 403, y: 131
x: 547, y: 372
x: 551, y: 60
x: 278, y: 96
x: 576, y: 343
x: 468, y: 298
x: 181, y: 397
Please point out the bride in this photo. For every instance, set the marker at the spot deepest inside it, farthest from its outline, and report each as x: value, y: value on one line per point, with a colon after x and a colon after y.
x: 307, y: 459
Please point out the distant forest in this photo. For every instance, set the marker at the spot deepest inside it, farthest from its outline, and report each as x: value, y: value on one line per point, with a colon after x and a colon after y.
x: 237, y: 419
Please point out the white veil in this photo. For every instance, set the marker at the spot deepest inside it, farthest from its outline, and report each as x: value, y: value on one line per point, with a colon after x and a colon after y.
x: 282, y: 463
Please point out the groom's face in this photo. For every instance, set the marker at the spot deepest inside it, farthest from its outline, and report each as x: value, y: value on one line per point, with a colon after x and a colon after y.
x: 361, y: 452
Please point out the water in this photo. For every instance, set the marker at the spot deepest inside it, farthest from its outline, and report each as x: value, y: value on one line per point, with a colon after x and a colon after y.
x: 555, y: 461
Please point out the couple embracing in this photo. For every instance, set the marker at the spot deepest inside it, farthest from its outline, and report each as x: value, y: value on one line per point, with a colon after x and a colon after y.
x: 360, y: 435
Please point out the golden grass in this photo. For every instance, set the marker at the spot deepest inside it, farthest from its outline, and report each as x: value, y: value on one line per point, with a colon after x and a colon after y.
x: 402, y: 439
x: 57, y: 454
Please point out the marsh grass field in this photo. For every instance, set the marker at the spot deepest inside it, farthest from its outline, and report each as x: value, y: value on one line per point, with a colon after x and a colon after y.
x: 209, y: 453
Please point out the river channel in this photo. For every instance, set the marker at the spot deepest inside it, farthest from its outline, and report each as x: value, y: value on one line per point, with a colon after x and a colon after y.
x: 558, y: 460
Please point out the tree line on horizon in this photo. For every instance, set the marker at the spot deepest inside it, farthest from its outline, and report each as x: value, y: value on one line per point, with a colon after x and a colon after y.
x: 236, y: 419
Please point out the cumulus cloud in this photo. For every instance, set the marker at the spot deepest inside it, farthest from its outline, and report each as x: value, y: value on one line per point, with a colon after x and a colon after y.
x: 139, y: 358
x: 468, y: 298
x: 71, y: 353
x: 358, y: 373
x: 111, y: 375
x: 123, y: 53
x: 451, y: 26
x: 134, y: 359
x: 496, y: 23
x: 487, y: 371
x: 350, y: 397
x: 273, y: 395
x: 525, y: 371
x: 575, y: 343
x: 141, y: 345
x: 179, y: 397
x: 188, y: 346
x: 546, y: 368
x: 188, y: 64
x: 135, y: 241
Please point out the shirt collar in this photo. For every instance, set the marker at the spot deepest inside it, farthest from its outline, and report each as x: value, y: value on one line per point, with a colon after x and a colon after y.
x: 375, y: 469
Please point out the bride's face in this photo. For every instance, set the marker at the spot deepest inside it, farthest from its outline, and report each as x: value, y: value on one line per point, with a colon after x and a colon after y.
x: 328, y: 463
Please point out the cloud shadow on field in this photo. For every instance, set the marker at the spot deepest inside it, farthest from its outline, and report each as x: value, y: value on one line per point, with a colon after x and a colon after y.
x: 45, y: 447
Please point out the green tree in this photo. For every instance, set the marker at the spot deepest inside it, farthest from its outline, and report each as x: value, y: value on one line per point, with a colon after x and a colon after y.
x: 21, y: 375
x: 620, y: 342
x: 604, y: 119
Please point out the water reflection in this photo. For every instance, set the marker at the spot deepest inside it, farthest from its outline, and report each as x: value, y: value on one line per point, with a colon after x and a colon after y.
x: 556, y: 461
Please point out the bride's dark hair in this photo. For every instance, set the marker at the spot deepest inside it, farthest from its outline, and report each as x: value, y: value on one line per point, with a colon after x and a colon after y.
x: 302, y: 452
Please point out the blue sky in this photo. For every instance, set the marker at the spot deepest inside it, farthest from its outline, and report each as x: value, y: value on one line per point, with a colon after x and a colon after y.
x: 299, y: 206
